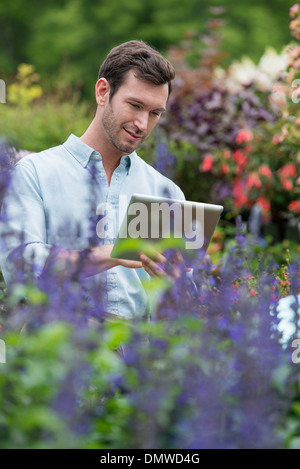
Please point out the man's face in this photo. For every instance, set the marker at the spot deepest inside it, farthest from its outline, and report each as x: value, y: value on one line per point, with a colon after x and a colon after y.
x: 132, y: 113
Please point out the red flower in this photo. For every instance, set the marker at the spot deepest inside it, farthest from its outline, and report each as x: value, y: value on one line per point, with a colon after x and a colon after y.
x: 287, y: 184
x: 265, y: 171
x: 253, y: 181
x: 240, y: 158
x: 264, y: 203
x: 295, y: 206
x: 225, y: 168
x: 253, y: 293
x: 207, y: 163
x: 244, y: 135
x: 240, y: 197
x: 287, y: 171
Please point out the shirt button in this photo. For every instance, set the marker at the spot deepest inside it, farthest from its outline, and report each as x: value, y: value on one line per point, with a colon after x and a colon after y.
x: 111, y: 277
x: 102, y: 175
x: 97, y: 157
x: 109, y: 207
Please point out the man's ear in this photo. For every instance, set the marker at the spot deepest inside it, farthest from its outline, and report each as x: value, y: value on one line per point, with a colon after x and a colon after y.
x: 102, y: 90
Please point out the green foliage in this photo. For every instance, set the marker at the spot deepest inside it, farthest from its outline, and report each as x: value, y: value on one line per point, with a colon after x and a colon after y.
x: 54, y: 375
x: 62, y: 388
x: 52, y: 124
x: 253, y: 25
x: 79, y: 34
x: 36, y: 121
x: 69, y: 387
x: 36, y: 364
x: 176, y: 382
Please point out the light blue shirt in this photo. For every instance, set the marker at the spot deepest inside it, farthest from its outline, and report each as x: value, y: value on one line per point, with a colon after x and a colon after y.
x: 56, y: 198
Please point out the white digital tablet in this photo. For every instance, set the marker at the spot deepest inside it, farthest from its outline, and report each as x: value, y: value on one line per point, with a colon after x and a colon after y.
x: 154, y: 224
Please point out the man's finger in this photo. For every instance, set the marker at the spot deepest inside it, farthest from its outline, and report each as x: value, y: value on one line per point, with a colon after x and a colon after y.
x: 152, y: 267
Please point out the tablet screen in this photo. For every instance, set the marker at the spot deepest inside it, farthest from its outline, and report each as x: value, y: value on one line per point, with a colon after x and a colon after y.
x: 158, y: 223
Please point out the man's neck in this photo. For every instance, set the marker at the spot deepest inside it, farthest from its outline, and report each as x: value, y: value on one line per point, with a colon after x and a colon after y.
x: 110, y: 159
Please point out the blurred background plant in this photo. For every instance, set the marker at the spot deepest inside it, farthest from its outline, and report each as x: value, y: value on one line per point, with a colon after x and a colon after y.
x: 212, y: 370
x: 70, y: 38
x: 230, y: 135
x: 34, y: 119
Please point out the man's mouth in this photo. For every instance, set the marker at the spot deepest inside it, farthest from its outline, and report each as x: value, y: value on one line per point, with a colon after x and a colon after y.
x: 133, y: 136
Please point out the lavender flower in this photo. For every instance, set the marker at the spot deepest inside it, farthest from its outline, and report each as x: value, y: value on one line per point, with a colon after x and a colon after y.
x: 209, y: 369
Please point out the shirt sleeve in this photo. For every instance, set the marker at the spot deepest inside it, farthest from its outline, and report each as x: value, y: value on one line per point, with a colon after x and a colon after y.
x: 23, y: 233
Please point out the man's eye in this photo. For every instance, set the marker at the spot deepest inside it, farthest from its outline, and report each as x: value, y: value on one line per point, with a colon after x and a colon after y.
x: 136, y: 106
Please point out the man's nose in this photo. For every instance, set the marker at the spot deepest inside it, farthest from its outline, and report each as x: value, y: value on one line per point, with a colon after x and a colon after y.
x: 142, y: 121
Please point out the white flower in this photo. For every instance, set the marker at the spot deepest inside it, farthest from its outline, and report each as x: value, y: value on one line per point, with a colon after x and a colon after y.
x: 286, y: 314
x: 245, y: 72
x: 273, y: 64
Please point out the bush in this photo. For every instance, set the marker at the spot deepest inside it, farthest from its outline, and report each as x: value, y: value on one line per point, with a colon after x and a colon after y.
x: 212, y: 369
x: 34, y: 120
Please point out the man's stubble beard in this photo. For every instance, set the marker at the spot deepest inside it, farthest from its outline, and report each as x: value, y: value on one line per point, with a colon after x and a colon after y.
x: 111, y: 130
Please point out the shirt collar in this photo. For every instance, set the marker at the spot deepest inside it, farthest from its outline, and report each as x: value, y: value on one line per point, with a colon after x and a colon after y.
x: 80, y: 150
x: 83, y: 152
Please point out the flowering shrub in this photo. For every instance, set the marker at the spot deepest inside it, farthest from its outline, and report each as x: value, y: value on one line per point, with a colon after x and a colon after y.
x: 210, y: 370
x: 234, y: 132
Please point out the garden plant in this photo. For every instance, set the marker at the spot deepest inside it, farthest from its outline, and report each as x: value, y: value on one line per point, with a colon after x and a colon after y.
x: 215, y: 367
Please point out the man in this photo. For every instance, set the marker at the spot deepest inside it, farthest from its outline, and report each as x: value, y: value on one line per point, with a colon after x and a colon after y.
x: 56, y: 195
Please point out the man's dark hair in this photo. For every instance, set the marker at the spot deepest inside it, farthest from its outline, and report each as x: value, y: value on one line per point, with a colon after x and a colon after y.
x: 147, y: 64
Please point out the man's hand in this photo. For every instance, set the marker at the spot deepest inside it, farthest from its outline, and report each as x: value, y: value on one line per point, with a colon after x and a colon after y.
x: 101, y: 260
x: 86, y: 261
x: 160, y: 266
